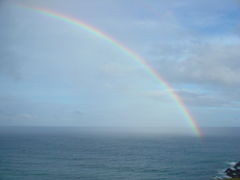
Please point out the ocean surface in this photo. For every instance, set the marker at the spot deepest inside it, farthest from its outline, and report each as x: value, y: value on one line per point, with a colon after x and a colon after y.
x: 52, y: 154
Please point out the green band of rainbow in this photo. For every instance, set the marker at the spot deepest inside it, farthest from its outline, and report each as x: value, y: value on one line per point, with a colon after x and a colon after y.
x: 151, y: 71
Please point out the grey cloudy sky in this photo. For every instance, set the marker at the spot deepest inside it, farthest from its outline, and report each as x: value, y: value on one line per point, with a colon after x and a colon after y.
x: 53, y: 73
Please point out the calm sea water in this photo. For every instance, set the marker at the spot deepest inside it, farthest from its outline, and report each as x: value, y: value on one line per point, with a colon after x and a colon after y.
x: 63, y: 155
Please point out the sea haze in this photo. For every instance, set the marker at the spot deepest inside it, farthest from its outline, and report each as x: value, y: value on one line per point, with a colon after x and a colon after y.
x: 81, y: 153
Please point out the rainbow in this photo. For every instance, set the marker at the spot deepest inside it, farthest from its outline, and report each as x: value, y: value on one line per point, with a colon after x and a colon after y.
x: 151, y: 71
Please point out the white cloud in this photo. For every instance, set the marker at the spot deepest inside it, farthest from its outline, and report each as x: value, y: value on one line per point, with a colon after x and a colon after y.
x: 211, y: 63
x: 196, y: 99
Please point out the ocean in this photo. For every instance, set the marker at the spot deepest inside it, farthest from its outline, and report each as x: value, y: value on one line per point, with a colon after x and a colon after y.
x: 65, y: 154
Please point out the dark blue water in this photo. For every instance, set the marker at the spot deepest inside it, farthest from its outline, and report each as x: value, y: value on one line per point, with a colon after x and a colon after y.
x: 73, y: 156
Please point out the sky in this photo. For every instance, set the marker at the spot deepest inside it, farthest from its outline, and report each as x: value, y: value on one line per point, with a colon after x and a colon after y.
x: 56, y: 74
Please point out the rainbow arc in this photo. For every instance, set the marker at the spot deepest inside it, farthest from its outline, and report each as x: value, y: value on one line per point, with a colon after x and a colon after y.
x: 121, y: 47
